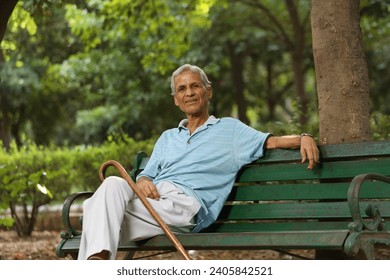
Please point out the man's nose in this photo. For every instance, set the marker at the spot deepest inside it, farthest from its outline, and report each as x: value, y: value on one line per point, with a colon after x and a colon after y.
x: 189, y: 91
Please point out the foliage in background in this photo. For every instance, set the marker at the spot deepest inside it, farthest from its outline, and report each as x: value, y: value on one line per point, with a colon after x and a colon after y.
x: 87, y: 160
x: 375, y: 24
x: 380, y: 126
x: 37, y: 175
x: 27, y: 180
x: 91, y: 69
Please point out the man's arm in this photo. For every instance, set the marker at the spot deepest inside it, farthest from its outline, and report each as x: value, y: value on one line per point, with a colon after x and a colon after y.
x: 307, y: 145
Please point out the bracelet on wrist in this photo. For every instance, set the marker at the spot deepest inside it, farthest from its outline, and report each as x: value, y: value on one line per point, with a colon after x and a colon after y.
x: 307, y: 134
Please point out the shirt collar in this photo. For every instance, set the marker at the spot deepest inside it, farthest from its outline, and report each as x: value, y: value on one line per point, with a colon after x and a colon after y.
x: 210, y: 121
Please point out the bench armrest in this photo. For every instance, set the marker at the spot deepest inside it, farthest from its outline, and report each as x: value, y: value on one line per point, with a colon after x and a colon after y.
x: 140, y: 161
x: 69, y: 230
x: 373, y: 212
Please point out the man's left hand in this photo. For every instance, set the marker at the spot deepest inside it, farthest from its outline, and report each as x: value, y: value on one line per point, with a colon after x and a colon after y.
x: 309, y: 151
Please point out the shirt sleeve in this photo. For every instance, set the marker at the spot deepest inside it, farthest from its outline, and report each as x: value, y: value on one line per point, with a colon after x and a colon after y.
x: 248, y: 144
x: 153, y: 167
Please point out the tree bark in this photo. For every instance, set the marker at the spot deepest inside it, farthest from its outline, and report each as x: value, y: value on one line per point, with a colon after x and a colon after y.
x: 342, y: 78
x: 341, y: 72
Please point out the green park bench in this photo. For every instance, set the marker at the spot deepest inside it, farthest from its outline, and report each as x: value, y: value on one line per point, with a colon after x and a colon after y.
x: 278, y: 204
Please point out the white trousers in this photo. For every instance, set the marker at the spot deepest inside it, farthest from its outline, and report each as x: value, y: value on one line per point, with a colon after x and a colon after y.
x: 114, y: 214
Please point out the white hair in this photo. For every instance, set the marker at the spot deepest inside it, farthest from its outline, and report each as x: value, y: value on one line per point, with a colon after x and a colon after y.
x: 189, y: 67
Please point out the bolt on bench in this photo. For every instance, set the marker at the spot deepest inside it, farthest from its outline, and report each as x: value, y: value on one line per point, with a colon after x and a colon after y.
x: 277, y: 204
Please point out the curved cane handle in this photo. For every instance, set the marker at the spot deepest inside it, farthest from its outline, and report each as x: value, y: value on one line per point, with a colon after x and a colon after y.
x: 146, y: 203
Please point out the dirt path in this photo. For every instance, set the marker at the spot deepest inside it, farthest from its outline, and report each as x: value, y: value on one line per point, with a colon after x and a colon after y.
x: 40, y: 246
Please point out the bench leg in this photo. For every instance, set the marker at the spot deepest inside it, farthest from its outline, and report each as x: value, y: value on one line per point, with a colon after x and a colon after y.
x: 330, y: 255
x: 74, y: 255
x: 129, y: 255
x: 339, y: 255
x: 368, y: 250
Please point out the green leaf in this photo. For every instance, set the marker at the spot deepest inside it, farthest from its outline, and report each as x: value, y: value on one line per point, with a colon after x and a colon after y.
x: 7, y: 222
x: 44, y: 190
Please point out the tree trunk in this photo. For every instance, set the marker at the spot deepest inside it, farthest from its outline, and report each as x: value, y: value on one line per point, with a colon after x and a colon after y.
x: 342, y: 78
x: 341, y: 72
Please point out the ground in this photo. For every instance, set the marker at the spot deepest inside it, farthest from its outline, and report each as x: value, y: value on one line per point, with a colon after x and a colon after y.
x: 41, y: 246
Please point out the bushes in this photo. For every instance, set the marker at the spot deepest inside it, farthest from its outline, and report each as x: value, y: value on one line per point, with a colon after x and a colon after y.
x: 35, y: 176
x: 380, y: 126
x: 87, y: 160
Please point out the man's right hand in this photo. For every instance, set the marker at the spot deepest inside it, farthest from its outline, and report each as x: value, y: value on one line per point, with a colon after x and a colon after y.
x: 147, y: 188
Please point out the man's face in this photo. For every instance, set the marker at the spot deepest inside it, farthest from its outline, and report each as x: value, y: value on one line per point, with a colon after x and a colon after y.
x: 191, y: 96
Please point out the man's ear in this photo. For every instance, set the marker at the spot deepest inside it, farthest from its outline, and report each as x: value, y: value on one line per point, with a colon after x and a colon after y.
x: 210, y: 92
x: 174, y: 100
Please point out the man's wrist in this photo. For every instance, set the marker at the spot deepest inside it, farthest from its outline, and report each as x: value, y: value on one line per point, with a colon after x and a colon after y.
x: 144, y: 178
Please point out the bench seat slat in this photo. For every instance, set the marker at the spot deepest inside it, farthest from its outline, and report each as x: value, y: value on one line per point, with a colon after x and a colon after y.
x: 247, y: 240
x: 280, y: 240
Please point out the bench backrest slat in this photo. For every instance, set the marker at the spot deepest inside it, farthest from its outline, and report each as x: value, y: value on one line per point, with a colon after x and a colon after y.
x: 325, y: 170
x: 281, y: 210
x: 333, y: 152
x: 306, y: 191
x: 277, y: 226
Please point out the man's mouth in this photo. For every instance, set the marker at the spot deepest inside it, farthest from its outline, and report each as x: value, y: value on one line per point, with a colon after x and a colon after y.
x: 190, y: 101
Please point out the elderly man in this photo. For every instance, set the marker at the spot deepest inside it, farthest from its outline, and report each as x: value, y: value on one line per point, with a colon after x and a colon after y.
x: 188, y: 177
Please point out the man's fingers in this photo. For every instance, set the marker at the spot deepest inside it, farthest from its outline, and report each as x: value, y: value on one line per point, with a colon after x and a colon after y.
x: 151, y: 191
x: 312, y: 156
x: 154, y: 193
x: 312, y: 163
x: 303, y: 154
x: 309, y: 151
x: 148, y: 189
x: 307, y: 157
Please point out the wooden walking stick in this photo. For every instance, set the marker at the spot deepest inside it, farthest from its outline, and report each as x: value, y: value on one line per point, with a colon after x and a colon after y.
x: 146, y: 203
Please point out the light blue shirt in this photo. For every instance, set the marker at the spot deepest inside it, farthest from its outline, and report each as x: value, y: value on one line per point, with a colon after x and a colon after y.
x: 205, y: 163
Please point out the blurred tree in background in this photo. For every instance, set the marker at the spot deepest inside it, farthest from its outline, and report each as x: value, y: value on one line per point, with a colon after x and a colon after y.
x: 76, y: 72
